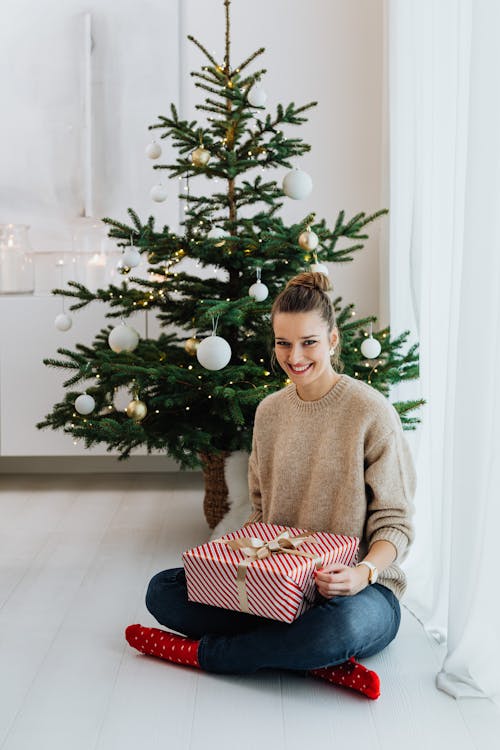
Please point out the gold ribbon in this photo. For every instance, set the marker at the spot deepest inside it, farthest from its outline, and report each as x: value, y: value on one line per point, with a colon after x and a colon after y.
x: 257, y: 549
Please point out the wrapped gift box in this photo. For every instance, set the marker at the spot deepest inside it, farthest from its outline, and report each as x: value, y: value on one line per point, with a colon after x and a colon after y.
x: 264, y: 569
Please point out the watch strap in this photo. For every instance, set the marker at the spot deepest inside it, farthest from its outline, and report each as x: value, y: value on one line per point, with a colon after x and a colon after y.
x: 372, y: 568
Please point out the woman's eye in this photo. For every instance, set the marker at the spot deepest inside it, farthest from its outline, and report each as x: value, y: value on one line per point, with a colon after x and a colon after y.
x: 309, y: 342
x: 282, y: 343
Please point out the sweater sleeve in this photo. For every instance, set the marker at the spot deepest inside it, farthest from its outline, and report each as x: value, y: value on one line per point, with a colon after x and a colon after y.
x: 390, y: 480
x: 254, y: 486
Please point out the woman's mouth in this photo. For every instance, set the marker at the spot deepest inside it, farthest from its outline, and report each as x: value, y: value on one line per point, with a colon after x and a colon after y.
x: 300, y: 369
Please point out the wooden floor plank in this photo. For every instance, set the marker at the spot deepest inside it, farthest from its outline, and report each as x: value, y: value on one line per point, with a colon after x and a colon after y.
x: 84, y: 550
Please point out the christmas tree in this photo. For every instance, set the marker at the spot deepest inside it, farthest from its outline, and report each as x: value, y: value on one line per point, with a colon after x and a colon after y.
x: 196, y: 401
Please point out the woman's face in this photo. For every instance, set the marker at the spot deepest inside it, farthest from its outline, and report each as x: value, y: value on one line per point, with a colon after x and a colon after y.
x: 302, y: 347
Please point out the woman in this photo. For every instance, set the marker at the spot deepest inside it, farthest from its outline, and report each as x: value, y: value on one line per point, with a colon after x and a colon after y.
x: 328, y: 454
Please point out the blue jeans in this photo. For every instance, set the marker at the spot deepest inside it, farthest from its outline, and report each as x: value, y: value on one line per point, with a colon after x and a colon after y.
x: 231, y: 642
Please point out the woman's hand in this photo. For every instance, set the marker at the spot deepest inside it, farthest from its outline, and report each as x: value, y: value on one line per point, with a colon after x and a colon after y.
x: 340, y: 580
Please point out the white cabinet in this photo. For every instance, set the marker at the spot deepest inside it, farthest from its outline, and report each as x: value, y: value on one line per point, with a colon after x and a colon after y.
x: 28, y: 388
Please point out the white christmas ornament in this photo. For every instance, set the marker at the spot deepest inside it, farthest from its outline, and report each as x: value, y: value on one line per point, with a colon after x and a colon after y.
x: 158, y: 193
x: 123, y: 338
x: 131, y: 257
x: 319, y: 268
x: 213, y: 353
x: 259, y: 291
x: 84, y: 404
x: 371, y: 348
x: 257, y: 96
x: 153, y: 150
x: 63, y: 322
x: 297, y: 184
x: 216, y: 233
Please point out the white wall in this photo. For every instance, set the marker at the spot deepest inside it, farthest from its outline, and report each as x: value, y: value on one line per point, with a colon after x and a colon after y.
x: 329, y: 51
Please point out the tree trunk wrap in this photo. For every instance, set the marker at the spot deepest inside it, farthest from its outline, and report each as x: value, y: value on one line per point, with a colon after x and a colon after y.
x: 215, y: 502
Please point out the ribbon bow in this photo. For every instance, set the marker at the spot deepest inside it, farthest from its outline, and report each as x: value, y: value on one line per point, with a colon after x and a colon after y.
x: 257, y: 549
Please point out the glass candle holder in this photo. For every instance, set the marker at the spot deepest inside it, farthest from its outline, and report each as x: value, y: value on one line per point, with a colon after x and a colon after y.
x: 17, y: 275
x: 90, y: 250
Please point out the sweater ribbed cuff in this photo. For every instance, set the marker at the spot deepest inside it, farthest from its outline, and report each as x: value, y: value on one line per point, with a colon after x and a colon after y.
x: 256, y: 517
x: 396, y: 537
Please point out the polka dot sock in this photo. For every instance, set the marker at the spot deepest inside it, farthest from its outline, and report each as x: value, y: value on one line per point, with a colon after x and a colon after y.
x: 162, y: 643
x: 352, y: 675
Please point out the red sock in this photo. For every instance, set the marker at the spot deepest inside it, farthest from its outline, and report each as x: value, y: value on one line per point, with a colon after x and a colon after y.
x: 352, y: 675
x: 162, y: 643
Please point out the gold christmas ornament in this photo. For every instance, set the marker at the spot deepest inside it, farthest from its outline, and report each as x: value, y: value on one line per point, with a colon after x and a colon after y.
x: 191, y: 346
x: 308, y: 240
x: 122, y: 268
x: 137, y: 410
x: 200, y: 156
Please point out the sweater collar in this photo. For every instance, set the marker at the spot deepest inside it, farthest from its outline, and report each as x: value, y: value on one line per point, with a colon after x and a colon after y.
x: 307, y: 407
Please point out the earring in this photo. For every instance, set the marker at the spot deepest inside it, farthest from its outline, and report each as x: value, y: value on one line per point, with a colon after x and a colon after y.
x: 332, y: 351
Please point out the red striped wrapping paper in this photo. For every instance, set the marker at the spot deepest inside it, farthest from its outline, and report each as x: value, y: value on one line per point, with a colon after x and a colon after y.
x: 280, y: 587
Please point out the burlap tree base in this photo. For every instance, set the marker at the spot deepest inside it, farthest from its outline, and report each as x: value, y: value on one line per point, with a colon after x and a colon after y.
x: 215, y: 502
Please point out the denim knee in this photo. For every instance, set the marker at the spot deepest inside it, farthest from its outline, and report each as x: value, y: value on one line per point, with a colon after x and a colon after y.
x: 157, y: 588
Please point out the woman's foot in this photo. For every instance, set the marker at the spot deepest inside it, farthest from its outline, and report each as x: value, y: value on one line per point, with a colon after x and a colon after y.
x: 162, y: 643
x: 352, y: 675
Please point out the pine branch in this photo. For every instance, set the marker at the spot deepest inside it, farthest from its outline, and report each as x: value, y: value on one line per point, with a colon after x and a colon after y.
x: 203, y: 49
x: 248, y: 60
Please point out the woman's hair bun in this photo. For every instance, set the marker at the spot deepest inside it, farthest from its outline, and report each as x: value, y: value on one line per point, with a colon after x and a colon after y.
x: 311, y: 280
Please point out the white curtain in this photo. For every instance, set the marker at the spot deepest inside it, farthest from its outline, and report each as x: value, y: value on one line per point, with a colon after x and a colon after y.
x: 444, y: 148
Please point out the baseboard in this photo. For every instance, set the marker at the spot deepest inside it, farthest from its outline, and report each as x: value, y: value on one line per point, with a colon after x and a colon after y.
x: 88, y: 464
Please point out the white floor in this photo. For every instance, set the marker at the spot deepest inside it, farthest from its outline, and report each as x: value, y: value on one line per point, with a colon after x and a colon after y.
x: 76, y: 554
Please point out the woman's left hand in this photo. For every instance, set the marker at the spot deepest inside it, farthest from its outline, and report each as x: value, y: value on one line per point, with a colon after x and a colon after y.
x: 340, y: 580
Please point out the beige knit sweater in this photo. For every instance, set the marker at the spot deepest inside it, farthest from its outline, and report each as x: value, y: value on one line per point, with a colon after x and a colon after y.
x: 340, y: 464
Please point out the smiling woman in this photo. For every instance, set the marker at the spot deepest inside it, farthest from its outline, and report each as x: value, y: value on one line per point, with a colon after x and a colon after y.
x: 306, y: 335
x: 328, y: 454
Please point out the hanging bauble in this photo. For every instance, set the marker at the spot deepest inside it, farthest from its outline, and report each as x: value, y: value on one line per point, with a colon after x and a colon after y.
x: 153, y: 150
x: 123, y: 338
x: 159, y: 193
x: 122, y: 268
x: 63, y: 322
x: 131, y: 257
x: 84, y: 404
x: 216, y: 233
x: 297, y: 184
x: 308, y: 240
x: 257, y: 97
x: 200, y: 156
x: 191, y: 346
x: 319, y: 268
x: 371, y: 348
x: 258, y: 291
x: 136, y: 410
x: 213, y: 353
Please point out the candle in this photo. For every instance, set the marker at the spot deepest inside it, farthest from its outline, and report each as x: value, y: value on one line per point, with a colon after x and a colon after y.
x: 96, y: 271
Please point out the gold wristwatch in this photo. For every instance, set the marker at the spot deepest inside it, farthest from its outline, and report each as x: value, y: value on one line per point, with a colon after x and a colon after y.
x: 372, y: 578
